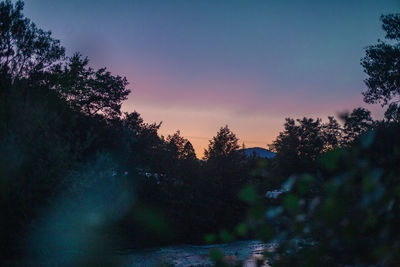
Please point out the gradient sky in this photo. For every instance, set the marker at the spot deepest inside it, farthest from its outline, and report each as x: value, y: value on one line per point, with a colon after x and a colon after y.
x: 197, y: 65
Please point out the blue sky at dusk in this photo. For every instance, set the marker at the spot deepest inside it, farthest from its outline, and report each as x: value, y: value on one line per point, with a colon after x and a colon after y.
x: 198, y: 65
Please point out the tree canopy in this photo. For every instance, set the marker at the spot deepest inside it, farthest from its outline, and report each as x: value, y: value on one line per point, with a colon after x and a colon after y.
x: 87, y: 90
x: 382, y: 64
x: 223, y: 145
x: 24, y: 49
x: 358, y: 122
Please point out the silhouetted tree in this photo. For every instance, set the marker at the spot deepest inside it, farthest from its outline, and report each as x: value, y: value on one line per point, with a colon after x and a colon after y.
x: 175, y: 144
x: 332, y: 133
x: 24, y: 49
x: 392, y: 114
x: 223, y: 145
x: 188, y: 152
x: 89, y: 91
x: 190, y: 166
x: 224, y: 176
x: 147, y: 148
x: 300, y: 144
x: 356, y: 123
x: 382, y: 64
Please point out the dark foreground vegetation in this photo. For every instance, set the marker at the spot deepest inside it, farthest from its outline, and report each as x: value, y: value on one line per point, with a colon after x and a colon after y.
x: 77, y: 173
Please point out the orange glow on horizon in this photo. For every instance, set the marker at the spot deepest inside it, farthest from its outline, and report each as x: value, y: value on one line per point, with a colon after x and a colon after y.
x: 259, y: 129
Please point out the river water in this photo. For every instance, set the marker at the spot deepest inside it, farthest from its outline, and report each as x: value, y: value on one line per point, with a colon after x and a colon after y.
x: 246, y: 252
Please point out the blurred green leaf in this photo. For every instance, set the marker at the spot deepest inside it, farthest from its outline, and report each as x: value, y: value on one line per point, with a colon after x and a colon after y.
x: 216, y: 255
x: 380, y: 252
x: 305, y: 183
x: 256, y: 212
x: 151, y: 219
x: 367, y: 184
x: 241, y: 229
x: 210, y: 238
x: 291, y: 203
x: 226, y: 236
x: 248, y: 194
x: 266, y: 232
x: 397, y: 190
x: 331, y: 158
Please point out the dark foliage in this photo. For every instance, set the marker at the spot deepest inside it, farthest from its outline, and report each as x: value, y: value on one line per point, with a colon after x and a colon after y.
x: 92, y: 92
x: 24, y: 49
x: 344, y: 213
x: 382, y: 65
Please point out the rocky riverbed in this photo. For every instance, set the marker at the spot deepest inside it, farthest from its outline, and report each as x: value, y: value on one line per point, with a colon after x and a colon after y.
x: 247, y: 252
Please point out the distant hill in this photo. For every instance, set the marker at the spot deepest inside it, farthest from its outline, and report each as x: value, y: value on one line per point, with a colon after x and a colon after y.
x: 258, y: 152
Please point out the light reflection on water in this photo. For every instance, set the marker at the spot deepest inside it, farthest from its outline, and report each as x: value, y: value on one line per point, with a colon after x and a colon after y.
x: 188, y: 255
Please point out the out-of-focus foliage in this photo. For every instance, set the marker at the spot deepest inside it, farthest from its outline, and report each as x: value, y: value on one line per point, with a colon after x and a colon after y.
x: 345, y: 213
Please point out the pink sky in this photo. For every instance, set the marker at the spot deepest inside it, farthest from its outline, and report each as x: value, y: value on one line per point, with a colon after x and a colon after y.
x: 256, y: 121
x: 199, y: 65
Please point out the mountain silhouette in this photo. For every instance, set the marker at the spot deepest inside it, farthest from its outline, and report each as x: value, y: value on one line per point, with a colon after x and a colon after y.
x: 258, y: 152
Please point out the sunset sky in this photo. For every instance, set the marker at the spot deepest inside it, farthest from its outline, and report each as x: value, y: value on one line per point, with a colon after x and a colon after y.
x: 197, y: 65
